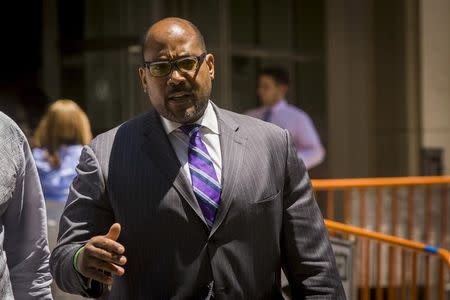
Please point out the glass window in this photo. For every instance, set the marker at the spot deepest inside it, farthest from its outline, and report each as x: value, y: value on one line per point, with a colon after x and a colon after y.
x: 309, y: 27
x: 288, y: 33
x: 311, y: 93
x: 310, y: 84
x: 105, y: 81
x: 205, y: 15
x: 274, y: 24
x: 243, y: 22
x: 244, y: 83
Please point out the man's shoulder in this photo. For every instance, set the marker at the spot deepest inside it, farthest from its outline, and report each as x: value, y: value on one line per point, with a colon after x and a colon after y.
x: 255, y: 112
x: 12, y: 139
x: 12, y: 159
x: 295, y: 111
x: 258, y: 136
x: 9, y: 129
x: 251, y: 125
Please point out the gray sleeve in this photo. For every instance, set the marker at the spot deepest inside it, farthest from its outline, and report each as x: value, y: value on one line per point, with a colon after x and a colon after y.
x: 25, y: 222
x: 87, y: 214
x: 307, y: 256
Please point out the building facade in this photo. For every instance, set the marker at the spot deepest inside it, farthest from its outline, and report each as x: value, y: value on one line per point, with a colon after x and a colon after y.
x: 373, y: 75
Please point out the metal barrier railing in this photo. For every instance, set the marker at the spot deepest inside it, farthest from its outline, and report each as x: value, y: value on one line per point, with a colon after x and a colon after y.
x: 414, y: 208
x: 398, y: 290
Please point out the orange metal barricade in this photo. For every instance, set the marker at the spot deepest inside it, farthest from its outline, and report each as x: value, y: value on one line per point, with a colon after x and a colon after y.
x: 413, y: 208
x: 407, y: 288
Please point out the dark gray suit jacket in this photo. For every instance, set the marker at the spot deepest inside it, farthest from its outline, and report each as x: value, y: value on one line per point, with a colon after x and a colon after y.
x: 267, y: 218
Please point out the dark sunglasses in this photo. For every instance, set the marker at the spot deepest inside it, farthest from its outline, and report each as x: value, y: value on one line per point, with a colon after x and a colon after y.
x: 184, y: 65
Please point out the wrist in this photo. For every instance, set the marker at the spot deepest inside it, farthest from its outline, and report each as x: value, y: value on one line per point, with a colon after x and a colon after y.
x: 75, y: 259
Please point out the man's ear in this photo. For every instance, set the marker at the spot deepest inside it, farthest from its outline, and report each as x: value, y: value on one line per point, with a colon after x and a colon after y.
x: 141, y: 71
x: 209, y: 59
x: 284, y: 89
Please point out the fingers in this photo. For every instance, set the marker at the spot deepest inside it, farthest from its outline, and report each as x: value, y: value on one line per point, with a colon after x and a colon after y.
x: 107, y: 244
x: 98, y: 276
x: 93, y: 262
x: 106, y: 267
x: 114, y: 232
x: 105, y: 255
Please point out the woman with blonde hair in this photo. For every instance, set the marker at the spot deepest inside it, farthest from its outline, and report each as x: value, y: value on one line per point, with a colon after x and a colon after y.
x: 57, y: 142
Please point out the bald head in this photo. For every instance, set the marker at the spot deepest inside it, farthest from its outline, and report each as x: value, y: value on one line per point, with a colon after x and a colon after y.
x: 181, y: 92
x: 171, y: 29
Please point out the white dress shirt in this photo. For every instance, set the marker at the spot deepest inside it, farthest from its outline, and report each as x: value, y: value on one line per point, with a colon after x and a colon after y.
x: 300, y: 126
x: 210, y: 137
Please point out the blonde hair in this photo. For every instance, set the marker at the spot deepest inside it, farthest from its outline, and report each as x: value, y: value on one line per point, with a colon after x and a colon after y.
x: 64, y: 123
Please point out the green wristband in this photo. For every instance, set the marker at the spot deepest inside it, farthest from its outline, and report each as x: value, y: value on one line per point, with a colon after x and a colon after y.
x: 75, y: 258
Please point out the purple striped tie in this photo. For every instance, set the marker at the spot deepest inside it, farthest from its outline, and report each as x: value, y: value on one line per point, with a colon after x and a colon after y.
x: 205, y: 184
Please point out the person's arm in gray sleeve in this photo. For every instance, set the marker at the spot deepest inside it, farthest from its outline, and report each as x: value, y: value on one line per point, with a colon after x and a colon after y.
x: 87, y: 214
x: 25, y: 222
x: 307, y: 256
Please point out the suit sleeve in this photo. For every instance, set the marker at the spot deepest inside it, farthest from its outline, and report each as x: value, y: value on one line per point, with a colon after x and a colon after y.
x: 307, y: 256
x: 87, y: 214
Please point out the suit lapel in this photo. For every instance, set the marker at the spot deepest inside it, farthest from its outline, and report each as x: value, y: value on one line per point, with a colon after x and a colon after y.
x: 157, y: 146
x: 231, y: 144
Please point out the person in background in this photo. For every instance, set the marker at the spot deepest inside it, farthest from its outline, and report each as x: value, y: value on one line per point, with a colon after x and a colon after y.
x: 58, y: 140
x: 273, y: 85
x: 24, y: 252
x: 60, y: 135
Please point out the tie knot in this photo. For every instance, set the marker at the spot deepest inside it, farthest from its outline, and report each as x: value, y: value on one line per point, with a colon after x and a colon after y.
x: 190, y: 129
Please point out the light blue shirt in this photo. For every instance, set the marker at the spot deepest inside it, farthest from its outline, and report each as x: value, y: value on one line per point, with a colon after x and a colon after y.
x: 300, y: 126
x: 56, y: 181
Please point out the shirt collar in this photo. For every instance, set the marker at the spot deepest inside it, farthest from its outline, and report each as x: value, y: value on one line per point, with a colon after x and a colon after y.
x: 208, y: 120
x: 279, y: 105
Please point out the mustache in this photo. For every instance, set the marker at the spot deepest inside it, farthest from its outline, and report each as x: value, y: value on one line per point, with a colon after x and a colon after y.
x: 179, y: 89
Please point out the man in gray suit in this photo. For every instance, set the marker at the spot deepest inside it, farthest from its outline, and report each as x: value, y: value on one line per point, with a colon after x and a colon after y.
x: 190, y: 201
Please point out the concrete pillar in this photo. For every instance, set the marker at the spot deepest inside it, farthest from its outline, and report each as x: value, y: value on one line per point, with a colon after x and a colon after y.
x: 435, y: 76
x: 373, y: 88
x: 412, y: 85
x: 350, y: 87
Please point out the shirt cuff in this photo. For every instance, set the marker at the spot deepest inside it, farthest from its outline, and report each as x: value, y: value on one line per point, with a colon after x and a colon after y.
x: 86, y: 283
x: 75, y: 259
